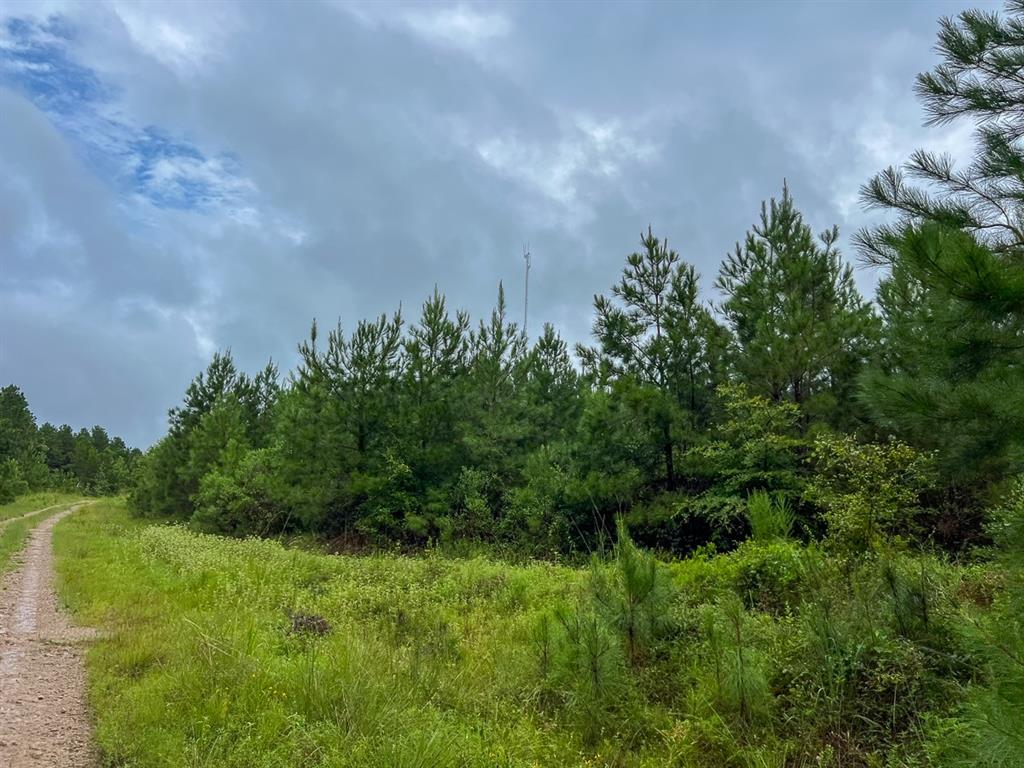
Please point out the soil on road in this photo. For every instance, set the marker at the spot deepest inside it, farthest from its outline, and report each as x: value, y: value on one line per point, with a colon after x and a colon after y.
x: 44, y: 715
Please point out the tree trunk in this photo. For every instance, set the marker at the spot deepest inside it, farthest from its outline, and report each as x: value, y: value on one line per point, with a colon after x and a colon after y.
x: 670, y: 468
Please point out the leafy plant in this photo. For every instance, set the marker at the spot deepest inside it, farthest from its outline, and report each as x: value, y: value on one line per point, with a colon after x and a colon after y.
x: 869, y: 491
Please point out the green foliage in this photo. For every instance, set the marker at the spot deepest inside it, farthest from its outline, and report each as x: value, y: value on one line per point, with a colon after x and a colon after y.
x: 870, y: 491
x: 663, y: 340
x: 48, y: 457
x: 769, y: 518
x: 770, y: 575
x: 990, y: 730
x: 771, y: 653
x: 536, y: 515
x: 239, y: 497
x: 953, y: 298
x: 756, y: 447
x: 224, y: 413
x: 633, y: 596
x: 588, y: 671
x: 948, y: 380
x: 740, y: 684
x: 801, y: 329
x: 390, y: 509
x: 12, y: 484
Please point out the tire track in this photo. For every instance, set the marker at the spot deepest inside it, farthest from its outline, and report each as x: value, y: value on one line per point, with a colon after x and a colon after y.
x: 44, y: 716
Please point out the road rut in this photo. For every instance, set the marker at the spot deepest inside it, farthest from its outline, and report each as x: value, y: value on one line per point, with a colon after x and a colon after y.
x: 44, y: 714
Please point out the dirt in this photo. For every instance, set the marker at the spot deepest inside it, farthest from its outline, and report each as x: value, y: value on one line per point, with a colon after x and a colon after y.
x: 44, y: 715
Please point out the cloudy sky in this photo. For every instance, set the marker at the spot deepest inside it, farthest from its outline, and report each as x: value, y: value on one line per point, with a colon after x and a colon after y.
x: 178, y: 178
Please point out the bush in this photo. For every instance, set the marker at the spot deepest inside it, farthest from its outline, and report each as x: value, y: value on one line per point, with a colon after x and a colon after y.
x: 239, y: 499
x: 12, y: 484
x: 588, y: 670
x: 769, y: 575
x: 869, y: 491
x: 632, y: 595
x: 740, y: 683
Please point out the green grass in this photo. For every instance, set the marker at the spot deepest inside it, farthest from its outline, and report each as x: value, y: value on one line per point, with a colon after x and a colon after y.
x: 34, y: 501
x: 14, y: 532
x: 774, y: 654
x: 424, y: 666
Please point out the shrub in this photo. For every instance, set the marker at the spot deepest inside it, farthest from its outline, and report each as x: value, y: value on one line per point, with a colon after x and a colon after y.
x: 741, y: 688
x: 769, y: 575
x: 869, y: 491
x: 633, y: 596
x: 12, y: 484
x: 238, y: 499
x: 769, y: 518
x: 990, y: 731
x: 589, y: 670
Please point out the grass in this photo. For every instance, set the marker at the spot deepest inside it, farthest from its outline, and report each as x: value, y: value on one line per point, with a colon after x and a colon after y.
x: 14, y: 532
x: 424, y: 664
x: 34, y: 501
x: 231, y: 653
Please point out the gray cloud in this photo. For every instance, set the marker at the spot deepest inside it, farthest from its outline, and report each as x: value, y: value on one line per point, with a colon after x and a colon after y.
x: 350, y: 156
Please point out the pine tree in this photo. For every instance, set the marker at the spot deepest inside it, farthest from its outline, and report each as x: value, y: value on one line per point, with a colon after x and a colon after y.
x: 980, y: 80
x: 437, y: 357
x: 494, y: 424
x: 801, y: 328
x: 656, y: 335
x: 19, y: 438
x: 551, y: 389
x: 954, y: 310
x: 948, y: 375
x: 954, y: 297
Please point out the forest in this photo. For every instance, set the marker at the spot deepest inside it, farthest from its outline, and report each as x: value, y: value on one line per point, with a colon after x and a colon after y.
x: 757, y: 519
x: 38, y: 458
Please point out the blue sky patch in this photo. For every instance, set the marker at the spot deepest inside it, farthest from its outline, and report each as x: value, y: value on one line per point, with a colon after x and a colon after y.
x: 36, y: 60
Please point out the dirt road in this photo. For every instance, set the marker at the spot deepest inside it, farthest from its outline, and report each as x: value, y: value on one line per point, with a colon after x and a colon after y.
x: 44, y: 718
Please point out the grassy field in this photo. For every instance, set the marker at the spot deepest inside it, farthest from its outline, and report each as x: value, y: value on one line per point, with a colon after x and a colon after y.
x: 223, y: 652
x: 14, y: 532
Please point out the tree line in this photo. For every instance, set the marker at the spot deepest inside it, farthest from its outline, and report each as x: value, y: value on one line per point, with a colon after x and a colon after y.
x: 47, y: 457
x: 793, y: 384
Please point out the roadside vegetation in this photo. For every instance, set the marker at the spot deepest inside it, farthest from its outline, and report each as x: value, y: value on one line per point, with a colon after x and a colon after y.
x: 230, y: 652
x: 16, y: 520
x: 34, y: 501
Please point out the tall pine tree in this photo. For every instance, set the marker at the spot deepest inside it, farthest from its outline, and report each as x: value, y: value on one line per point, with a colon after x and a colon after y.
x: 654, y: 334
x: 801, y: 329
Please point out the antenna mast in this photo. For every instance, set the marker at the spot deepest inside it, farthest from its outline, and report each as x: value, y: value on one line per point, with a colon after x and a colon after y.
x: 526, y: 294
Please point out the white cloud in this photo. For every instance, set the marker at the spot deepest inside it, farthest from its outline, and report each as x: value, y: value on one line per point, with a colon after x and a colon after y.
x: 177, y: 176
x: 587, y: 148
x: 460, y: 26
x: 186, y: 38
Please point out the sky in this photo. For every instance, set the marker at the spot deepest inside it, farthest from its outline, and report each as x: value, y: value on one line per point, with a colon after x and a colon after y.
x: 178, y: 178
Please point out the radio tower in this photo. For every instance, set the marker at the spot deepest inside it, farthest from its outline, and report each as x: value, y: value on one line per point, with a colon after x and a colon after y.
x: 526, y: 294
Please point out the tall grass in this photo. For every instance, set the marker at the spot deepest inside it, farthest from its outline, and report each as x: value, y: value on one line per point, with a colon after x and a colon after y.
x: 424, y: 663
x: 227, y: 652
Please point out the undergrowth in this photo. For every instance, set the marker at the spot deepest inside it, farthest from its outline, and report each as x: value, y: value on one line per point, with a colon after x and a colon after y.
x: 227, y: 652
